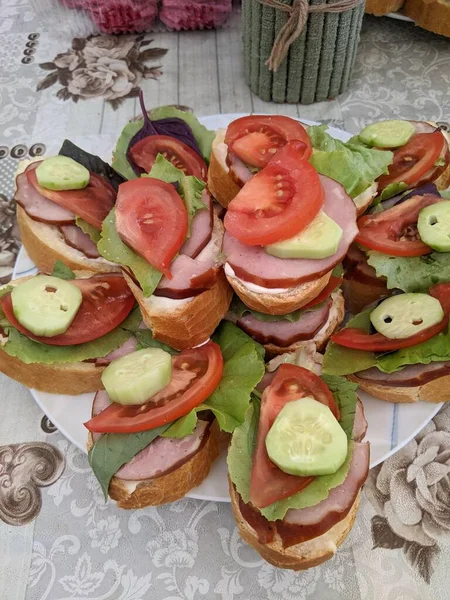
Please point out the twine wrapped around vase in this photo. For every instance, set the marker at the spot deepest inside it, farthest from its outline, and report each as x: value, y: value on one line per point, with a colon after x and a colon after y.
x: 300, y: 51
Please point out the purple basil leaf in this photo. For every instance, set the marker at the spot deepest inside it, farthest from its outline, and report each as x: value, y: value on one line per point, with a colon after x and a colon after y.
x: 427, y: 188
x: 172, y: 127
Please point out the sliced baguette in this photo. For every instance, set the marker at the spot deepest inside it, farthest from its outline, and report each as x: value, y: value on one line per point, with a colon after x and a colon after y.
x: 63, y: 378
x: 382, y: 7
x: 220, y: 184
x: 171, y: 486
x: 321, y: 338
x: 433, y: 15
x: 279, y: 304
x: 301, y: 556
x: 45, y: 245
x: 184, y: 323
x: 434, y: 391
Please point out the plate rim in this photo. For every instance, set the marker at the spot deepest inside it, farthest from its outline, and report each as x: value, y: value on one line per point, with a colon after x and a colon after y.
x: 62, y: 429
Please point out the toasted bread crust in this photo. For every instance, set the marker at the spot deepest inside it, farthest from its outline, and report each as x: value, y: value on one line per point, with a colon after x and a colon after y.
x: 433, y: 15
x: 44, y: 245
x: 358, y: 294
x: 279, y: 304
x: 64, y: 378
x: 321, y: 338
x: 172, y: 486
x: 382, y: 7
x: 184, y: 324
x: 301, y: 556
x: 434, y: 391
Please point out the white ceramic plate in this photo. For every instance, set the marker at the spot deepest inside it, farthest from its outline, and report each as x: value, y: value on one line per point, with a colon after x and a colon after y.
x: 391, y: 426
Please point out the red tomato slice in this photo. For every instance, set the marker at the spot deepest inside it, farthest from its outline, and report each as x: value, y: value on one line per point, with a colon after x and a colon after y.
x: 180, y: 396
x: 394, y: 231
x: 107, y: 301
x: 182, y: 157
x: 255, y: 139
x: 413, y: 160
x: 441, y: 292
x: 269, y: 483
x: 152, y: 219
x: 332, y: 284
x: 92, y: 203
x: 278, y: 202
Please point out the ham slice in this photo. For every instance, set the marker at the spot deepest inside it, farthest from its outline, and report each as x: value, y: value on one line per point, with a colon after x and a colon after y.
x: 192, y: 276
x: 423, y: 127
x: 360, y: 423
x: 409, y: 376
x: 76, y: 238
x: 129, y: 346
x: 253, y: 264
x: 285, y: 333
x: 201, y: 229
x: 239, y: 171
x: 37, y: 206
x: 163, y: 455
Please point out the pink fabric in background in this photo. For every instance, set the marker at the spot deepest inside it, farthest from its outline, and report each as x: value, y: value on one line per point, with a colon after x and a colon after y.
x: 197, y: 14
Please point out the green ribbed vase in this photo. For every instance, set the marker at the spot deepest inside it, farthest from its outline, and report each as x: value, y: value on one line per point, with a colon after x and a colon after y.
x: 319, y: 63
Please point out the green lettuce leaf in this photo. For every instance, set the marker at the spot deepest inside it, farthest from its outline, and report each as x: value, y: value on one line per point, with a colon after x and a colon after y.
x: 30, y: 351
x: 112, y: 248
x: 88, y: 229
x: 411, y: 273
x: 445, y: 194
x: 243, y: 442
x: 146, y: 340
x: 243, y: 369
x: 239, y: 309
x: 164, y: 170
x: 352, y: 164
x: 113, y: 450
x: 60, y: 270
x: 435, y: 350
x: 203, y: 136
x: 392, y: 190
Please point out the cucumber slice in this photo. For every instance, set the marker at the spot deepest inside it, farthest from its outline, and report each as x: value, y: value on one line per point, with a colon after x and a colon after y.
x: 306, y: 439
x: 46, y: 305
x: 136, y: 377
x: 319, y: 240
x: 62, y: 173
x: 387, y: 134
x: 434, y: 226
x: 405, y: 315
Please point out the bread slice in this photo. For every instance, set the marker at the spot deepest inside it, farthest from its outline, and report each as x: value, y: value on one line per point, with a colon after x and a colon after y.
x: 434, y: 391
x: 442, y: 182
x: 321, y: 338
x: 220, y: 184
x: 45, y: 245
x: 63, y: 378
x: 301, y: 556
x: 433, y: 15
x: 279, y: 304
x: 184, y: 323
x: 382, y: 7
x: 171, y: 486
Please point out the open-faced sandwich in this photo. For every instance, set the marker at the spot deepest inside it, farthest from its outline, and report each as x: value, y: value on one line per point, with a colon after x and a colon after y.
x: 286, y: 231
x: 398, y: 351
x: 296, y: 466
x: 156, y: 428
x: 58, y: 332
x: 404, y: 244
x: 61, y: 204
x: 248, y: 144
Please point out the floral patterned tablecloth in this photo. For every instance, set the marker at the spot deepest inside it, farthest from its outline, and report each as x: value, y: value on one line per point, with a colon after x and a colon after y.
x: 62, y: 541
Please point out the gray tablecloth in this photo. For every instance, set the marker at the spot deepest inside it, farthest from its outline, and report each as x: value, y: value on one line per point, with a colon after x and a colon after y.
x: 80, y: 547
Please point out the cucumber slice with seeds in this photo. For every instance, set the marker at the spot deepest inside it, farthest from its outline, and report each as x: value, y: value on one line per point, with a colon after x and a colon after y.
x: 46, y: 305
x: 306, y: 439
x: 62, y: 173
x: 405, y: 315
x: 136, y: 377
x: 434, y: 226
